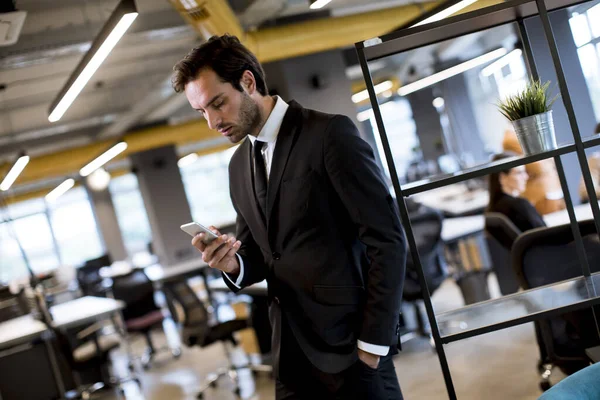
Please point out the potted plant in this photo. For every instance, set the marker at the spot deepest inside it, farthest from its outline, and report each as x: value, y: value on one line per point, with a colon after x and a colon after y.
x: 530, y: 114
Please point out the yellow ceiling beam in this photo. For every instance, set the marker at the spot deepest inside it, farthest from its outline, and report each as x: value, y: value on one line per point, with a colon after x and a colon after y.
x: 72, y: 160
x: 215, y: 17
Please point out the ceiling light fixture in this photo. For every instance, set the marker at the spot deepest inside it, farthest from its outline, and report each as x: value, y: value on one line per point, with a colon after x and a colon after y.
x: 445, y: 12
x: 103, y: 158
x: 60, y: 190
x: 504, y: 61
x: 14, y: 172
x: 114, y: 29
x: 450, y: 72
x: 316, y: 4
x: 379, y: 88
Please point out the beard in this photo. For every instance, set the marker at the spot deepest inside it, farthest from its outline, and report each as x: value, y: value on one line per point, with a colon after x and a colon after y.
x: 249, y: 118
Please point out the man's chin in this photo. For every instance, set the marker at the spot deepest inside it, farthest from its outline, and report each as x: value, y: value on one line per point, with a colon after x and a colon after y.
x: 235, y: 138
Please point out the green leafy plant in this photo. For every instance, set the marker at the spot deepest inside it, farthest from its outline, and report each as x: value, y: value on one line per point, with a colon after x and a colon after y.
x: 532, y: 100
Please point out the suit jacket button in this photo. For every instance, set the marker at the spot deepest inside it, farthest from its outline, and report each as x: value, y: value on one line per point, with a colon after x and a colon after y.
x: 276, y: 256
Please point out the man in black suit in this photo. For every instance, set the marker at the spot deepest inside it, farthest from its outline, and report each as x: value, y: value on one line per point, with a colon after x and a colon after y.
x: 315, y: 219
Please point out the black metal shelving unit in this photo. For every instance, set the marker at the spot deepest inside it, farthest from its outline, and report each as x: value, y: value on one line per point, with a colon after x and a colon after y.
x: 522, y: 307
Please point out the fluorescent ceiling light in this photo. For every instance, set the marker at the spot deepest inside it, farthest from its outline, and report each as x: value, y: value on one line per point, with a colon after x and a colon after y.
x: 379, y: 88
x: 364, y: 115
x: 14, y: 173
x: 498, y: 65
x: 60, y: 190
x: 316, y: 4
x: 187, y: 160
x: 450, y: 72
x: 118, y: 23
x: 446, y: 12
x: 103, y: 158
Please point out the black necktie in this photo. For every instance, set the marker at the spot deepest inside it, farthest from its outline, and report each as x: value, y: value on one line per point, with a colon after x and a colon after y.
x: 260, y: 176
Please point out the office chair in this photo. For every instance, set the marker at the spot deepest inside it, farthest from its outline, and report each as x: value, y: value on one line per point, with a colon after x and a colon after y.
x: 89, y: 279
x: 500, y: 234
x: 544, y: 256
x: 427, y: 230
x: 141, y: 314
x: 199, y: 328
x: 13, y: 305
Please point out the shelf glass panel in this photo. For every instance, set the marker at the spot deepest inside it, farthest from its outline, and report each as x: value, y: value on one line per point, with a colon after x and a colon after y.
x: 463, y: 24
x: 480, y: 170
x: 519, y: 308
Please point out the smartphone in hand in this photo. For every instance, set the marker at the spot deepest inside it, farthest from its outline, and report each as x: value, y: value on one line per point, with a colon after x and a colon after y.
x: 194, y: 228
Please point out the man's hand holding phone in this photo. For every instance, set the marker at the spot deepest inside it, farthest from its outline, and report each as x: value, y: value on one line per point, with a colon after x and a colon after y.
x: 220, y: 252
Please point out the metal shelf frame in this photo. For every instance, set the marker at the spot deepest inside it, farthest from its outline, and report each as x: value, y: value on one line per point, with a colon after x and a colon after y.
x: 514, y: 11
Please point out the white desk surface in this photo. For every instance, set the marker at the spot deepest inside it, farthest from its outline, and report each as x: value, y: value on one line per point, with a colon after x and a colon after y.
x: 456, y: 228
x: 20, y: 330
x: 260, y: 288
x: 455, y: 201
x: 83, y: 310
x: 582, y: 212
x: 157, y: 273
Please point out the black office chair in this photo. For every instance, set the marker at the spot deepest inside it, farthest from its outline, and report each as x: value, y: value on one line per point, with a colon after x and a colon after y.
x: 544, y: 256
x: 13, y: 305
x: 199, y: 328
x: 89, y: 279
x: 427, y: 230
x: 141, y: 314
x: 500, y: 234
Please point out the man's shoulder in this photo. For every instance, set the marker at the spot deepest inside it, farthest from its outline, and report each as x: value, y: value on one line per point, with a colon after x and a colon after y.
x: 321, y: 121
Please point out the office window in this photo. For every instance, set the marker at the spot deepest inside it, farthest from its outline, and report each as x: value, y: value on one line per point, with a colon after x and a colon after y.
x: 12, y: 264
x: 26, y: 223
x: 585, y: 27
x: 75, y: 228
x: 401, y: 131
x: 131, y: 213
x: 206, y: 183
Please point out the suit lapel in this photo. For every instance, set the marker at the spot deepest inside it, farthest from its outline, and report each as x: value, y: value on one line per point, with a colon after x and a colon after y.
x: 286, y: 138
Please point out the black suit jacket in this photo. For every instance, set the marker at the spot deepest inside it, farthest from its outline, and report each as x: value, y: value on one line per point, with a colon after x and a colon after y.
x: 519, y: 210
x: 332, y: 247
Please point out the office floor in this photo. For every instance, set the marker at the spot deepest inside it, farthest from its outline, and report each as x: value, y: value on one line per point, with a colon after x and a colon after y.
x: 500, y: 365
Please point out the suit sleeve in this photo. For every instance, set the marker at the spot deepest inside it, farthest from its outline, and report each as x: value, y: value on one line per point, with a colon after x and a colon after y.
x: 254, y: 269
x: 358, y: 181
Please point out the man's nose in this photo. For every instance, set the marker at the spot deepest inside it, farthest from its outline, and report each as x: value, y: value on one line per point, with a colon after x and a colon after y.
x: 213, y: 121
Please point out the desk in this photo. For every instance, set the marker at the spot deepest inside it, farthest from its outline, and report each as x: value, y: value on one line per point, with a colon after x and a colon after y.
x: 20, y: 330
x: 159, y: 274
x: 456, y: 202
x: 258, y: 289
x: 83, y: 311
x: 454, y: 229
x: 582, y: 212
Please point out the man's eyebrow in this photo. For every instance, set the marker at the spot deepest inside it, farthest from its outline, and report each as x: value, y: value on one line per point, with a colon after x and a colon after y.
x: 210, y: 102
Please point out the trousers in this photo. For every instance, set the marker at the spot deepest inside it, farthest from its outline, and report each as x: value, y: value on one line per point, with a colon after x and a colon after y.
x: 298, y: 379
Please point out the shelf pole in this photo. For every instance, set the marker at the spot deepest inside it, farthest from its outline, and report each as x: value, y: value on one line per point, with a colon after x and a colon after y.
x: 406, y: 222
x: 579, y: 148
x: 564, y: 91
x: 557, y: 161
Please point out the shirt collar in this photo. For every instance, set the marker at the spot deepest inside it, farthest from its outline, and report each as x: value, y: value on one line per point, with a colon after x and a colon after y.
x: 270, y: 129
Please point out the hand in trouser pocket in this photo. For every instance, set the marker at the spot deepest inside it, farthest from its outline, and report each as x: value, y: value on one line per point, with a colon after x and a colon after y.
x: 368, y: 383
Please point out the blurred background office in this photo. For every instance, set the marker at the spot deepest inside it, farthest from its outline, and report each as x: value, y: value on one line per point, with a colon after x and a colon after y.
x: 100, y: 291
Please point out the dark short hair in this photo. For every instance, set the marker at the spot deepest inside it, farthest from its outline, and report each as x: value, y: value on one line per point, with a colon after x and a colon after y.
x: 226, y: 56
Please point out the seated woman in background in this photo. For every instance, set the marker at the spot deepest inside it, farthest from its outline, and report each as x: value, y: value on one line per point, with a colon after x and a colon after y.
x: 505, y: 188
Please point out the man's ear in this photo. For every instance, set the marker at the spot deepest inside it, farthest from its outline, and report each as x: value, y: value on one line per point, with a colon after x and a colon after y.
x: 248, y: 82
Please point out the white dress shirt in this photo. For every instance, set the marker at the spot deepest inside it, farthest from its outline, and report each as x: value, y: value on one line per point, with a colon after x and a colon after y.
x: 268, y: 134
